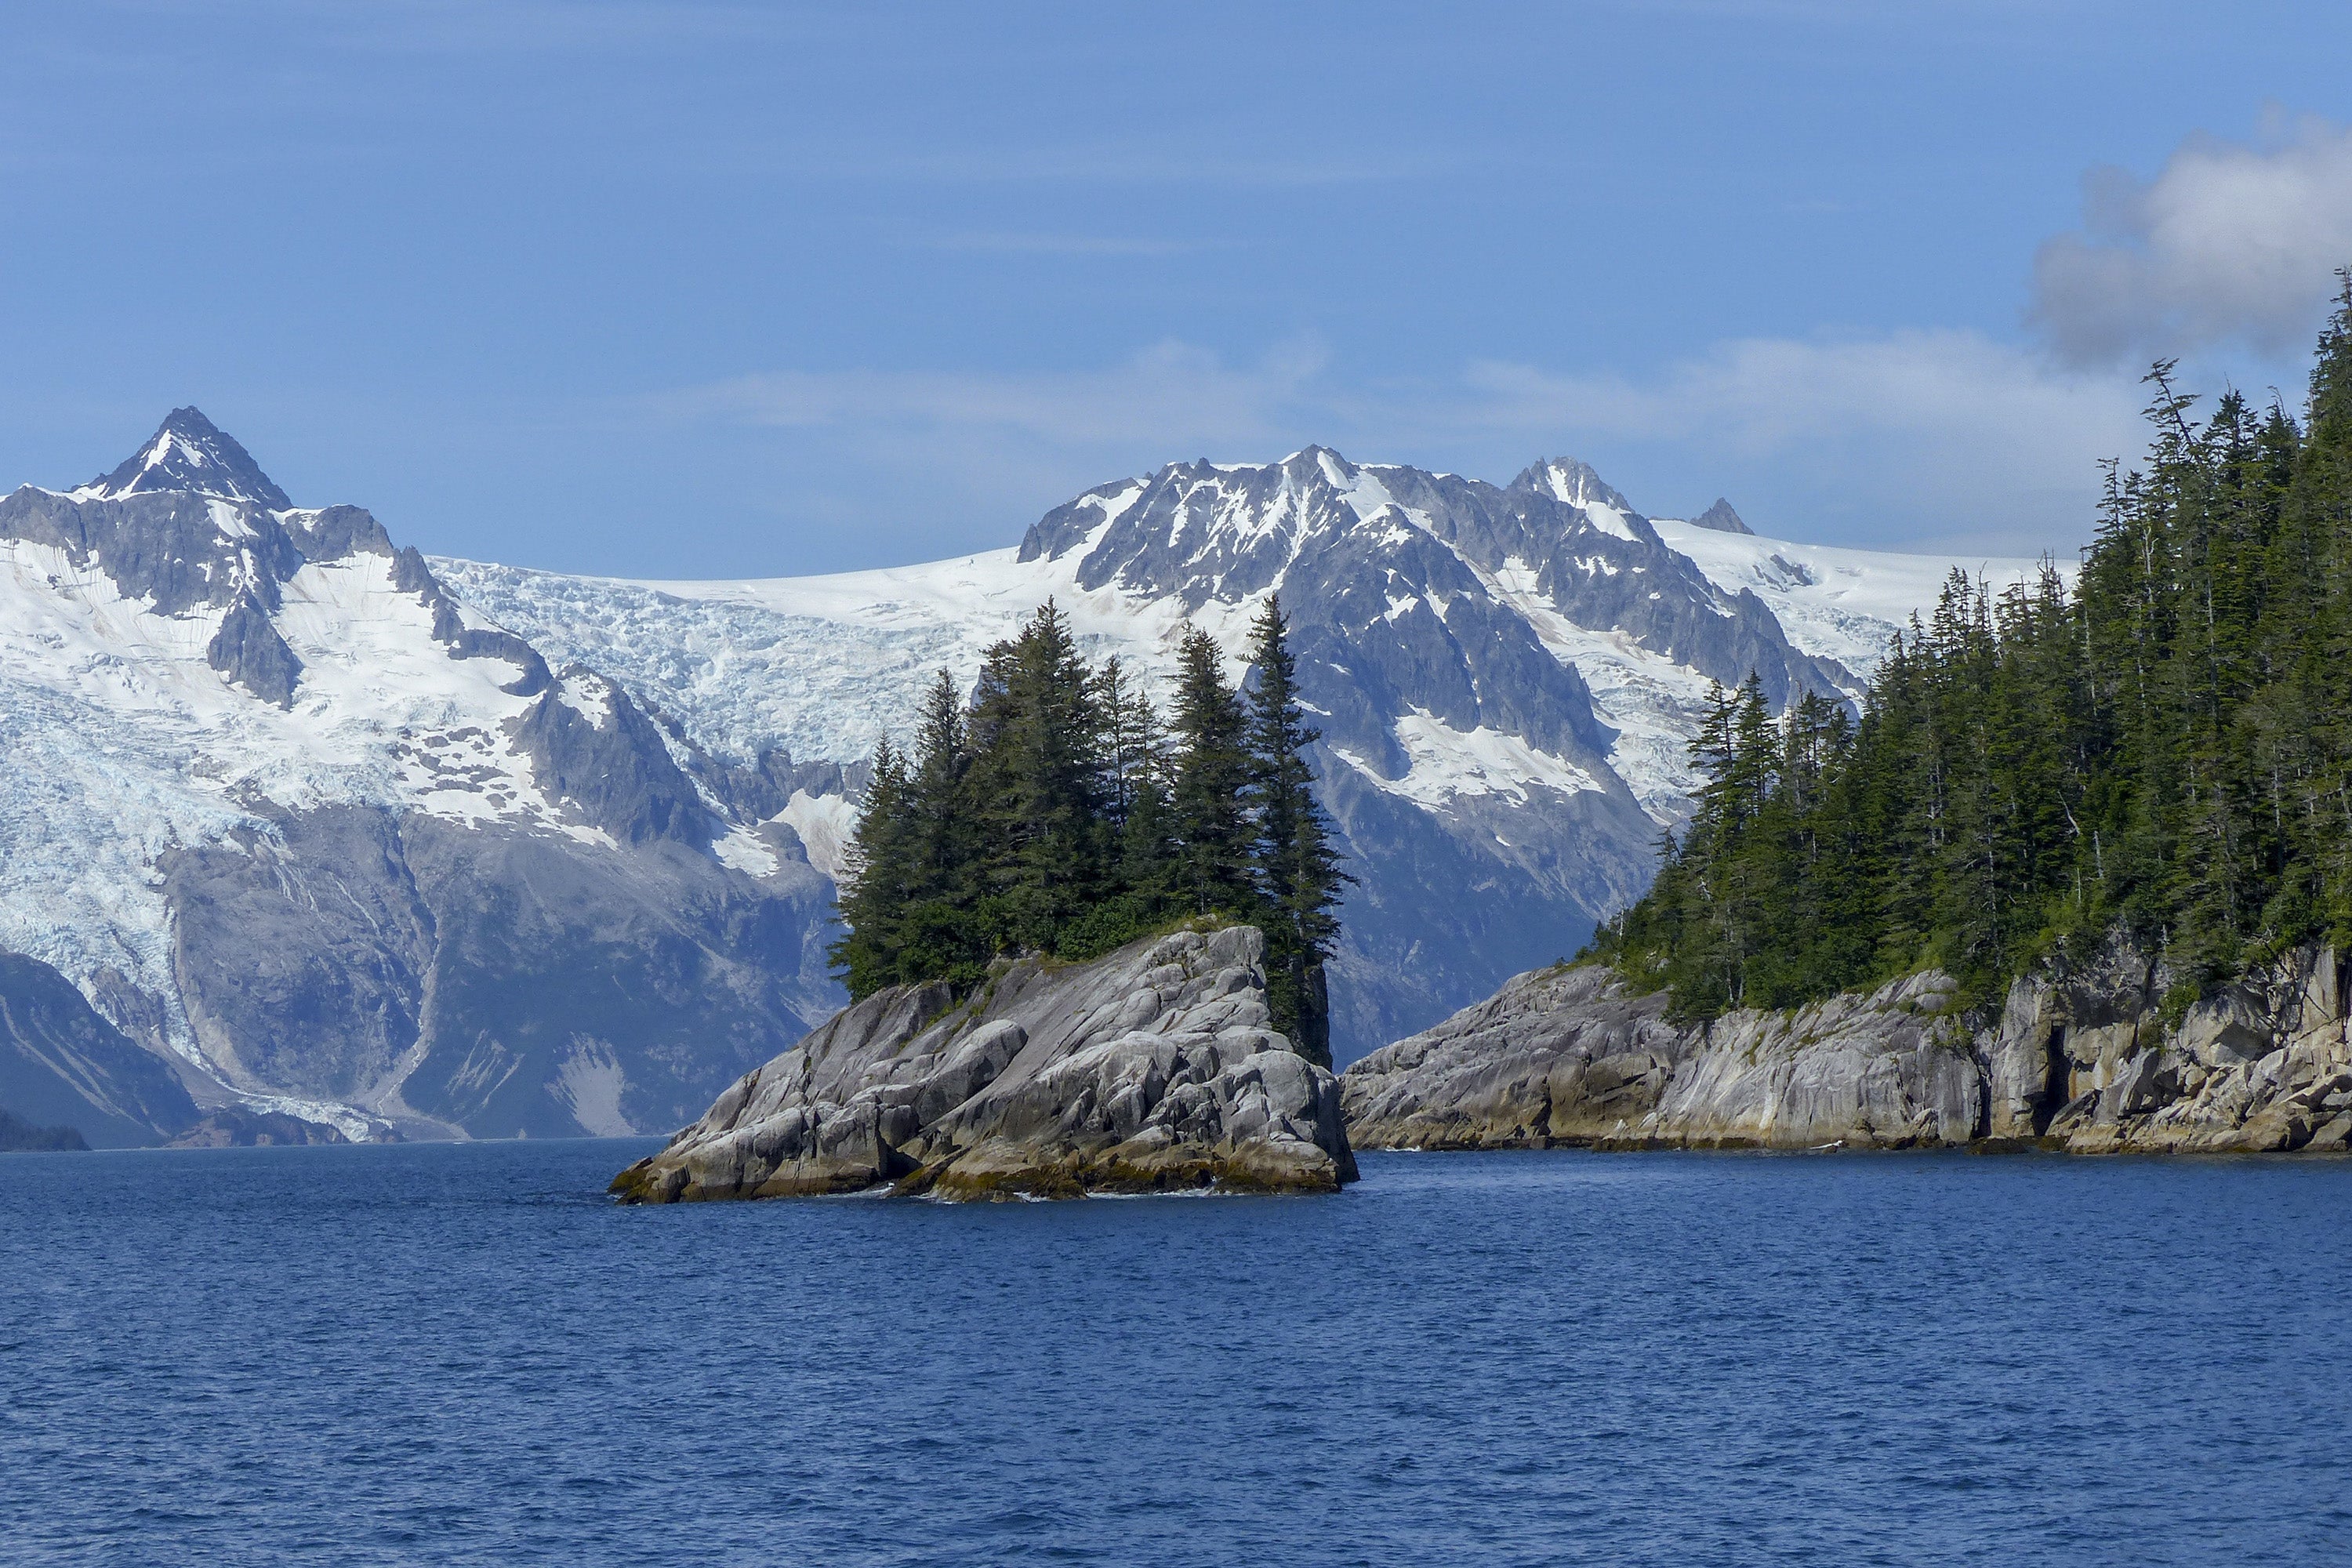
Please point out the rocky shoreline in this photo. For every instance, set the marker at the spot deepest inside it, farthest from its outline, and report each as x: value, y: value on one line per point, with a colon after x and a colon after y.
x: 2081, y: 1062
x: 1155, y: 1068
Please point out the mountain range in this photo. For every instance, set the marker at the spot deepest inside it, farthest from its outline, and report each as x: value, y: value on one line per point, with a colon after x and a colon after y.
x: 298, y: 822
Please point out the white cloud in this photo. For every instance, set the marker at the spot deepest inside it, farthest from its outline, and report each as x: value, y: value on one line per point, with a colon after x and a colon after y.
x: 2228, y: 244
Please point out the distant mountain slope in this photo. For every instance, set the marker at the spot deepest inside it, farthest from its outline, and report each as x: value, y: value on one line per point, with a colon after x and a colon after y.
x: 62, y: 1065
x: 332, y: 831
x: 1506, y: 678
x: 333, y: 845
x: 1843, y: 605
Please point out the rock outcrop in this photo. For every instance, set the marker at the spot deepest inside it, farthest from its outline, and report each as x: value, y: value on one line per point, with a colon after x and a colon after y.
x: 1155, y: 1068
x: 2088, y: 1060
x: 62, y: 1064
x: 2083, y: 1061
x: 242, y: 1127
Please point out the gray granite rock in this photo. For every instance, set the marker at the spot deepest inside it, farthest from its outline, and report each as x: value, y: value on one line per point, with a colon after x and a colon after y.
x: 1153, y: 1069
x: 2081, y: 1061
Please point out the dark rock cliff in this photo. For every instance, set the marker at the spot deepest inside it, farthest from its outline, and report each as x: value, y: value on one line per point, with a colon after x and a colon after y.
x: 62, y: 1064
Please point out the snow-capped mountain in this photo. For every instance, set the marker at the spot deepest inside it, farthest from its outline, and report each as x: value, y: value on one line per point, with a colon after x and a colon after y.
x: 326, y: 828
x: 330, y: 844
x: 1506, y: 676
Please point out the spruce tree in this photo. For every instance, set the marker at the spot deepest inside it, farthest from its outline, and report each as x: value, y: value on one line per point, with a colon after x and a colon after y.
x: 1207, y: 812
x: 2161, y: 752
x: 1051, y: 813
x: 878, y: 880
x: 1036, y: 789
x: 1295, y: 866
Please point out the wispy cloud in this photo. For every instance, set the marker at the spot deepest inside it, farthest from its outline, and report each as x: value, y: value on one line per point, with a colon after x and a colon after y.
x: 1912, y: 435
x: 1102, y: 244
x: 515, y: 26
x: 1950, y: 390
x: 1173, y: 394
x: 1175, y: 163
x: 2229, y: 243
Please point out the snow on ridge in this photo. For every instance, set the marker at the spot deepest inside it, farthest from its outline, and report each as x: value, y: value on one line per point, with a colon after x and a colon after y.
x: 824, y: 668
x: 825, y: 823
x: 1835, y: 601
x: 130, y: 744
x: 1446, y: 763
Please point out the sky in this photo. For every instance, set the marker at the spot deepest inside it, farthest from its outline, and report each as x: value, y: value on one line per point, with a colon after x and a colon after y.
x: 692, y: 289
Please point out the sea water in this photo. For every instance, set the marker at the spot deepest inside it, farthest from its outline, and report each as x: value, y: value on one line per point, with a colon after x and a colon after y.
x: 465, y: 1354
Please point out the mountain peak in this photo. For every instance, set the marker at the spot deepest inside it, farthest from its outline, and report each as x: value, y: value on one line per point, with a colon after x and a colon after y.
x: 189, y: 452
x: 1570, y: 480
x: 1721, y: 518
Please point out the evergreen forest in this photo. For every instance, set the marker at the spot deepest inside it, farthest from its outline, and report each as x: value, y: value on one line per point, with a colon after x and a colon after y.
x: 1055, y: 811
x: 2161, y: 750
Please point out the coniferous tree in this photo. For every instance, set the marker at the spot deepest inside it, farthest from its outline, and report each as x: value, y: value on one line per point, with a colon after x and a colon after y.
x: 2161, y: 752
x: 880, y: 880
x: 1208, y: 812
x: 1054, y: 813
x: 1296, y: 868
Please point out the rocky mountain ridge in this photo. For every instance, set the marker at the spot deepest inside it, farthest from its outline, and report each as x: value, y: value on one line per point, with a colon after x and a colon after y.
x: 1507, y: 677
x: 320, y: 842
x: 333, y: 831
x: 2083, y: 1062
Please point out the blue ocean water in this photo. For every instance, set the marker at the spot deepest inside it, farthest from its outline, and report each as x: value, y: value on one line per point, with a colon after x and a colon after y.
x: 462, y: 1354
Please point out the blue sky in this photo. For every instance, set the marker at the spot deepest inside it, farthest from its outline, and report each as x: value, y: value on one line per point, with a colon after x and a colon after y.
x: 715, y: 290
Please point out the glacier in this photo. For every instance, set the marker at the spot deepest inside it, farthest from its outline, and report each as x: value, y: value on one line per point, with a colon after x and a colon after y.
x: 446, y: 847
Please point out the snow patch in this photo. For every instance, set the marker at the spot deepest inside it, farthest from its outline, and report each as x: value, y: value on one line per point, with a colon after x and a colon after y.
x: 589, y: 1086
x: 826, y: 824
x: 1448, y: 762
x: 1844, y: 604
x: 740, y: 849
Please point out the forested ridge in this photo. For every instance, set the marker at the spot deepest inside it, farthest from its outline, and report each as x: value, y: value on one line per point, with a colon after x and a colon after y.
x: 1055, y: 811
x: 2163, y: 750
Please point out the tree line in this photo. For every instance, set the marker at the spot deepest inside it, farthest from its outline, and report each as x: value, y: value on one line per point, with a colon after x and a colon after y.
x: 2163, y: 749
x: 1055, y: 811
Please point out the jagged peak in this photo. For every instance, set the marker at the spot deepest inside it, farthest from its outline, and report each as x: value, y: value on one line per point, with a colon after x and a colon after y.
x: 188, y: 452
x: 1722, y: 519
x: 1571, y: 480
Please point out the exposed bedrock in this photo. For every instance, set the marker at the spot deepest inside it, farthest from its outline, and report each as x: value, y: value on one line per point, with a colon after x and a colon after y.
x: 1154, y: 1069
x: 490, y: 980
x: 2082, y: 1061
x: 61, y: 1063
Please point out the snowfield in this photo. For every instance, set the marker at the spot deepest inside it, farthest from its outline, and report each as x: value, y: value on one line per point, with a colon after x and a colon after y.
x: 1844, y: 604
x: 1508, y: 677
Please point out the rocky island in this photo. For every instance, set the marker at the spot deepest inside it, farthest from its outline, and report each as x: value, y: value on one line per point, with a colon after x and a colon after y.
x: 1152, y: 1069
x: 2083, y: 1061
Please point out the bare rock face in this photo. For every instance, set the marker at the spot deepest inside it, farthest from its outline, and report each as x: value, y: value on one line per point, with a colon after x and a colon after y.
x: 2083, y: 1061
x: 2262, y: 1065
x: 1573, y: 1056
x: 1558, y: 1056
x: 1154, y: 1069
